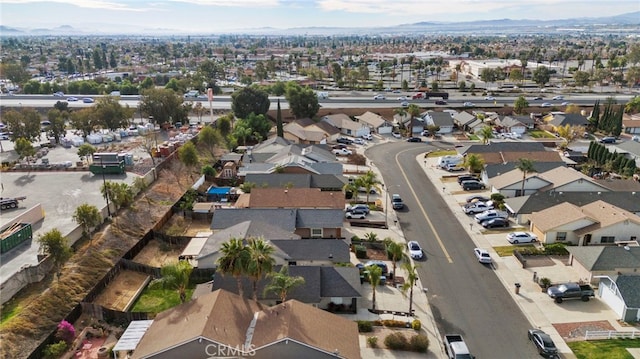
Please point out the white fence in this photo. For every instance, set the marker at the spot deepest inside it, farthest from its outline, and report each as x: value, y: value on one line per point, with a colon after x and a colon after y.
x: 611, y: 334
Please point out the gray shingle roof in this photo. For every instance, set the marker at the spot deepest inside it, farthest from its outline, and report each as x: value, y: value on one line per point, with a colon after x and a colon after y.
x: 226, y: 217
x: 572, y: 119
x: 319, y: 218
x: 629, y: 286
x: 503, y: 147
x: 298, y: 180
x: 335, y: 250
x: 597, y: 258
x: 539, y: 201
x: 441, y: 118
x: 496, y: 169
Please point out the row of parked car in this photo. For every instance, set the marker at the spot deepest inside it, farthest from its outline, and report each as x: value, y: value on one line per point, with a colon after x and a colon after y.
x: 470, y: 182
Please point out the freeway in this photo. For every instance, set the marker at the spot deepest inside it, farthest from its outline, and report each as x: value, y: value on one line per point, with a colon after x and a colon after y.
x: 465, y: 296
x: 338, y: 100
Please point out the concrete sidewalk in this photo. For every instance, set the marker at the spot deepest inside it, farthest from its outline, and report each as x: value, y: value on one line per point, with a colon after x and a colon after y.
x: 539, y: 309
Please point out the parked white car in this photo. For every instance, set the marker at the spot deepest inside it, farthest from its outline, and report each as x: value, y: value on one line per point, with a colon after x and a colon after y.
x: 414, y: 250
x: 396, y: 135
x: 521, y: 237
x: 367, y: 137
x: 482, y: 255
x: 477, y: 207
x: 342, y: 152
x: 359, y: 141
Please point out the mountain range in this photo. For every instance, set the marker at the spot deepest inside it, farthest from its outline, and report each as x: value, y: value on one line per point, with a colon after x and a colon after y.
x: 623, y: 23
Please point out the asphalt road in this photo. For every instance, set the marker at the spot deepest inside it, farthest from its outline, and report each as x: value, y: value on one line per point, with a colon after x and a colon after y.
x: 466, y: 297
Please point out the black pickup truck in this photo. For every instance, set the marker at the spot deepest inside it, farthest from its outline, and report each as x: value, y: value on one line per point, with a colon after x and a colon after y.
x: 570, y: 291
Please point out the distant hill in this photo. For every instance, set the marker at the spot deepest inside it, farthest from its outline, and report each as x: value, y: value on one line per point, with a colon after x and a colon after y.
x: 4, y: 30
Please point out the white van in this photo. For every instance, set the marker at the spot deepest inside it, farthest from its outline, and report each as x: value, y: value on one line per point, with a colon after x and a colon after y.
x: 444, y: 161
x: 323, y: 95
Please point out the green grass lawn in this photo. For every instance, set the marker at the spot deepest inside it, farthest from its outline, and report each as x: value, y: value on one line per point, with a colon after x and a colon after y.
x: 540, y: 134
x: 505, y: 251
x: 474, y: 137
x: 157, y: 300
x: 10, y: 310
x: 442, y: 153
x: 604, y: 349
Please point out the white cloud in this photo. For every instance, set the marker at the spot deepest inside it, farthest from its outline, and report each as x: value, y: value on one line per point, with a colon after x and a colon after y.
x: 234, y: 3
x: 89, y: 4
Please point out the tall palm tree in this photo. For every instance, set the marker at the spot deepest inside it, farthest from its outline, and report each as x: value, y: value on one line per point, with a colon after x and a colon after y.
x: 395, y: 252
x: 375, y: 273
x: 526, y: 166
x: 410, y: 282
x: 370, y: 181
x: 260, y: 261
x: 282, y: 283
x: 176, y: 276
x: 234, y: 260
x: 474, y: 163
x: 486, y: 133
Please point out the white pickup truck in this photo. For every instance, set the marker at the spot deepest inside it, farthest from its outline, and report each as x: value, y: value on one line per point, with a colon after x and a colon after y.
x: 477, y: 207
x: 455, y: 347
x: 490, y: 214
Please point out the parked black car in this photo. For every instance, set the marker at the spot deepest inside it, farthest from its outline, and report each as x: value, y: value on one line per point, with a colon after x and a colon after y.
x: 472, y: 185
x: 495, y: 223
x: 463, y: 178
x: 414, y: 139
x: 346, y: 141
x: 543, y: 342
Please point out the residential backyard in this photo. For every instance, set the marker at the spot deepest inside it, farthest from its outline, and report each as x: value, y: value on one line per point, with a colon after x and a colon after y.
x: 158, y: 299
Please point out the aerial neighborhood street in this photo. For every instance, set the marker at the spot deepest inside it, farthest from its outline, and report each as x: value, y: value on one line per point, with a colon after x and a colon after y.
x: 458, y: 190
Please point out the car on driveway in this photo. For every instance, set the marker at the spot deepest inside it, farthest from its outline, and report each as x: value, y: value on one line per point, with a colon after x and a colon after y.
x: 476, y: 207
x: 521, y: 237
x: 396, y: 134
x: 359, y: 141
x: 356, y: 214
x: 414, y: 139
x: 482, y: 255
x: 344, y: 140
x: 476, y: 197
x: 472, y: 185
x: 543, y: 342
x: 367, y: 137
x: 495, y: 223
x: 463, y: 178
x: 414, y: 250
x: 608, y: 139
x: 342, y: 152
x: 358, y: 207
x: 380, y: 264
x: 454, y: 167
x: 88, y: 100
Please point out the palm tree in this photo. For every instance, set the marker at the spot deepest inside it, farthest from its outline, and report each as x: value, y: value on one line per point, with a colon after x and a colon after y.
x: 374, y: 273
x: 526, y: 166
x: 353, y: 187
x: 234, y: 260
x: 474, y: 163
x: 395, y: 252
x: 370, y: 181
x: 175, y: 276
x: 260, y: 261
x: 486, y: 133
x: 281, y: 283
x: 410, y: 282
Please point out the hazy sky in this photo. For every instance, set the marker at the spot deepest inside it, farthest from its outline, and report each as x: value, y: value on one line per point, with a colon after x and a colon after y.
x: 200, y: 16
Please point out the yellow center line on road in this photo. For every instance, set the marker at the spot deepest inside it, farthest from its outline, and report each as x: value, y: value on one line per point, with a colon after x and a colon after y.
x: 424, y: 213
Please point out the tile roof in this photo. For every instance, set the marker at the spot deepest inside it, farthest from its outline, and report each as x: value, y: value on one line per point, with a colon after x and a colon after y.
x: 510, y: 178
x: 629, y: 201
x: 463, y: 118
x: 606, y: 258
x: 558, y: 215
x: 220, y: 316
x: 627, y: 185
x: 295, y: 198
x: 311, y: 326
x: 338, y: 119
x: 606, y: 215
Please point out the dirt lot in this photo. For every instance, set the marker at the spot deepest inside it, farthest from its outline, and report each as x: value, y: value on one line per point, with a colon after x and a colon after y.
x: 121, y: 290
x: 156, y: 254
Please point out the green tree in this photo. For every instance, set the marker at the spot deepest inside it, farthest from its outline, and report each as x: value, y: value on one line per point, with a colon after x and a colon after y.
x: 87, y: 216
x: 110, y: 114
x: 24, y: 124
x: 410, y: 282
x: 413, y: 110
x: 395, y: 252
x: 24, y: 148
x: 175, y: 276
x: 282, y: 283
x: 53, y: 244
x: 525, y: 165
x: 541, y: 75
x: 209, y: 138
x: 374, y: 274
x: 369, y: 181
x: 14, y: 72
x: 261, y: 261
x: 486, y: 133
x: 164, y: 106
x: 520, y: 104
x: 633, y: 105
x: 188, y: 155
x: 234, y: 260
x: 249, y: 100
x: 83, y: 120
x: 279, y: 127
x: 242, y: 132
x: 474, y: 163
x: 303, y: 102
x: 58, y: 123
x: 581, y: 78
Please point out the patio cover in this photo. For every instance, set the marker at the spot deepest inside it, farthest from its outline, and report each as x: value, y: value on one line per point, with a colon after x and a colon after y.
x: 132, y: 335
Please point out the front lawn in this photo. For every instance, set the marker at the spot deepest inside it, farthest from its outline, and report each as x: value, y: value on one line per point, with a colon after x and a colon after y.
x: 540, y: 134
x: 442, y: 153
x: 157, y: 300
x: 604, y: 349
x: 505, y: 251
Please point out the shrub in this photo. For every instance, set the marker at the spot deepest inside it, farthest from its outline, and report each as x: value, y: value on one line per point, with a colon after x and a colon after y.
x: 66, y: 332
x: 355, y: 239
x: 416, y: 325
x: 364, y: 326
x: 55, y: 350
x: 556, y: 249
x: 396, y: 341
x: 373, y: 342
x: 361, y: 251
x: 393, y: 323
x: 419, y: 343
x: 209, y: 171
x: 545, y: 282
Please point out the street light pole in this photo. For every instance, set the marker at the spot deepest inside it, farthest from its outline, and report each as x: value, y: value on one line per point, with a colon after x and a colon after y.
x: 386, y: 206
x: 106, y: 190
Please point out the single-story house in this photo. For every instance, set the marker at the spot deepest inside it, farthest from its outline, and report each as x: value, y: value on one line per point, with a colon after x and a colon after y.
x: 375, y: 122
x: 631, y: 124
x: 326, y: 182
x: 221, y: 323
x: 591, y: 224
x: 562, y: 119
x: 510, y: 124
x: 291, y: 198
x: 597, y: 261
x: 622, y: 295
x: 440, y: 119
x: 307, y: 131
x: 346, y: 125
x: 463, y: 120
